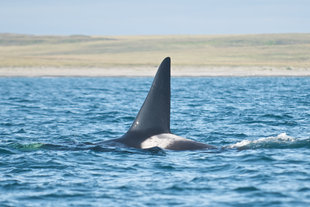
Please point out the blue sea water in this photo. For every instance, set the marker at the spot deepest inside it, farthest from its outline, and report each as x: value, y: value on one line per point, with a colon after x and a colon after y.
x: 49, y: 128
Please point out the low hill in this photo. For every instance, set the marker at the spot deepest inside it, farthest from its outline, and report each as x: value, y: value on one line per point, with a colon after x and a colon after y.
x: 79, y: 51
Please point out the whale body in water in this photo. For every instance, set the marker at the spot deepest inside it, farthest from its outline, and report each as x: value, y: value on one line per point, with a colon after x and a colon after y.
x: 151, y: 127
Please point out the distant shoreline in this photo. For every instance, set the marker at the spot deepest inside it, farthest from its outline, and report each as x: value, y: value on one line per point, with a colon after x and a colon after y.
x: 184, y: 71
x: 191, y: 55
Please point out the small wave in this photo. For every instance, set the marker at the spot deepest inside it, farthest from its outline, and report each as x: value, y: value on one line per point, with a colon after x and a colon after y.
x: 5, y: 151
x: 278, y: 142
x: 78, y: 147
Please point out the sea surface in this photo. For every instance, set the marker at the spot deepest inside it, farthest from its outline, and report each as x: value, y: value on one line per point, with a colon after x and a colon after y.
x: 50, y: 129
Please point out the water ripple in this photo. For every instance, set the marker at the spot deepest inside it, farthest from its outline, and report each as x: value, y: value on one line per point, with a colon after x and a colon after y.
x: 52, y: 132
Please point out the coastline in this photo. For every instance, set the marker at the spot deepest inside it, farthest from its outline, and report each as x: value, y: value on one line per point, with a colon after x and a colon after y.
x: 135, y: 56
x: 176, y: 71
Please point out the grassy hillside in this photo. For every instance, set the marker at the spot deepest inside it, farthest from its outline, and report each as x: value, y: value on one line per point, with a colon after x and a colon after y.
x: 279, y: 50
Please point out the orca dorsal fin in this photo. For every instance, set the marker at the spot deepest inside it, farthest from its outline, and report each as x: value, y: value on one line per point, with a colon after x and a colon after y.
x: 154, y: 115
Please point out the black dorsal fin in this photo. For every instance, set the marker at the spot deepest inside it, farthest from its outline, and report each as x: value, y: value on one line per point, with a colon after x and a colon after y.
x: 154, y: 115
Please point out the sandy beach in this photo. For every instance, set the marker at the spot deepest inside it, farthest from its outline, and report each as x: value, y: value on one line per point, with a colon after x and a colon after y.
x: 183, y: 71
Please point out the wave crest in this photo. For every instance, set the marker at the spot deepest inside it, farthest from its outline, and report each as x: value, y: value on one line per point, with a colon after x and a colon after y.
x: 278, y: 142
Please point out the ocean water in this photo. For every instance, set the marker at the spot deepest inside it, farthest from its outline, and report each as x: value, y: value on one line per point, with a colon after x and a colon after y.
x: 49, y: 128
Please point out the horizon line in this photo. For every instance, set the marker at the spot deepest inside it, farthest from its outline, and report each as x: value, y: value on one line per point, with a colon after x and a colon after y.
x: 172, y: 34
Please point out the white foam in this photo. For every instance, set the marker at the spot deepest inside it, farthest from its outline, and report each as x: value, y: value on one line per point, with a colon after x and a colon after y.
x: 280, y: 139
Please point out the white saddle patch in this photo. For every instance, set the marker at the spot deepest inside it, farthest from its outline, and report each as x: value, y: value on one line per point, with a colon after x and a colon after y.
x: 161, y: 140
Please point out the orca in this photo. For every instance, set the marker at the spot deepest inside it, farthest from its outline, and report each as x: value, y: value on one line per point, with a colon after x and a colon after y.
x: 151, y: 127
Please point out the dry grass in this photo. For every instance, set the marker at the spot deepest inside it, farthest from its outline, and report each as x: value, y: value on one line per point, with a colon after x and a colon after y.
x: 275, y: 50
